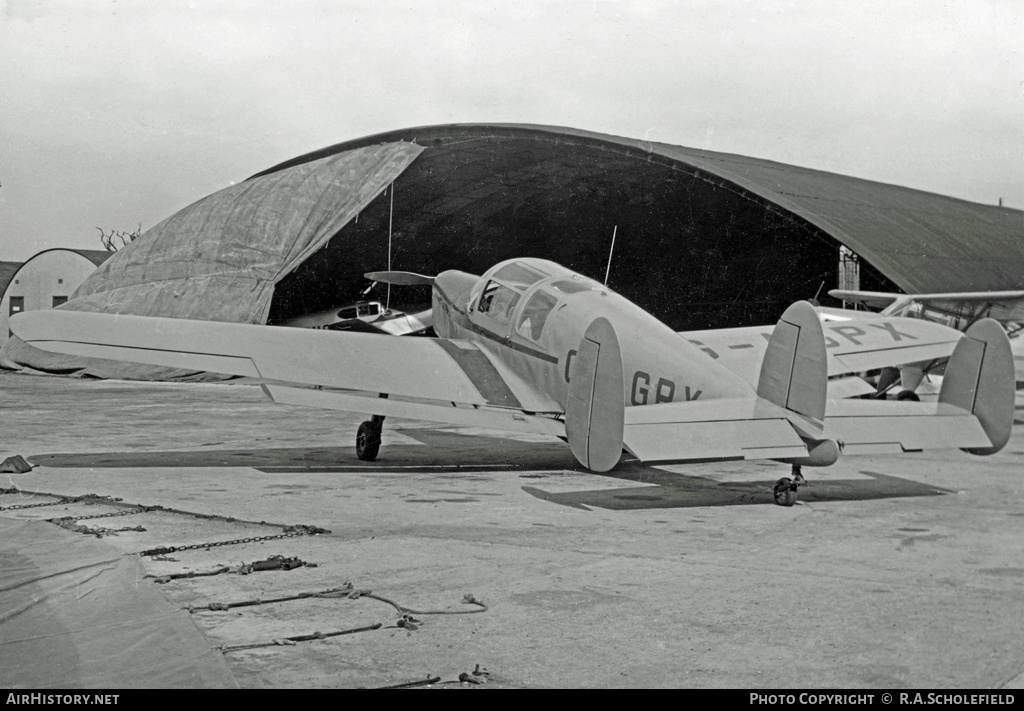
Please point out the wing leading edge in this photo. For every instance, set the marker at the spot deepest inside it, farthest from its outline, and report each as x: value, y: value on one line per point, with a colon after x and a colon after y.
x: 443, y: 374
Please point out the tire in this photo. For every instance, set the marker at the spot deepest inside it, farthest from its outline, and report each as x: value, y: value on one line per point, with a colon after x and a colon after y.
x: 908, y: 395
x: 367, y: 442
x: 785, y: 494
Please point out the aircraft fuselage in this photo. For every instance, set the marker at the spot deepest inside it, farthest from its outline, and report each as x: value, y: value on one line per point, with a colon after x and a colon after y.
x: 531, y: 315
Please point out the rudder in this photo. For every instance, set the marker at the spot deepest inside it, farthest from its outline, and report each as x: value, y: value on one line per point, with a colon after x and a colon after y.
x: 980, y: 378
x: 794, y: 372
x: 595, y: 409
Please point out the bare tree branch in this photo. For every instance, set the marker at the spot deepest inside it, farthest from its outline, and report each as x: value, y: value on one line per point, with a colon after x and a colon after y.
x: 110, y: 240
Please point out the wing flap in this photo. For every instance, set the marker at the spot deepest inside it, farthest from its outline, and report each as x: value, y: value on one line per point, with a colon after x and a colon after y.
x: 430, y: 411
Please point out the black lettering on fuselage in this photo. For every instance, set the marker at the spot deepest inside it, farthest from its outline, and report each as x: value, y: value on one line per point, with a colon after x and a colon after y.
x: 891, y: 330
x: 704, y: 348
x: 640, y: 391
x: 664, y: 390
x: 849, y: 333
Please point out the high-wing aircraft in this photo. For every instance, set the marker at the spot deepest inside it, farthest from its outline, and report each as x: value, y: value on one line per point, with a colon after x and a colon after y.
x: 532, y: 346
x: 957, y: 310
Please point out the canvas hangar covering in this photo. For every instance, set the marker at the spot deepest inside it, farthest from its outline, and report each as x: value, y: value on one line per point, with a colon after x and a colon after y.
x: 219, y: 258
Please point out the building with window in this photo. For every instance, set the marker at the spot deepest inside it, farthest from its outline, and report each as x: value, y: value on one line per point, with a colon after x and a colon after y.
x: 46, y: 280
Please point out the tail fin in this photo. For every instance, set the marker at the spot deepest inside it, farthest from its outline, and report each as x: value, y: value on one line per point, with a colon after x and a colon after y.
x: 794, y: 372
x: 979, y: 377
x: 594, y: 412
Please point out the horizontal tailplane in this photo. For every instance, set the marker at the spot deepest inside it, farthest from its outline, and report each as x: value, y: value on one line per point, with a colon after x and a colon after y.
x: 979, y: 378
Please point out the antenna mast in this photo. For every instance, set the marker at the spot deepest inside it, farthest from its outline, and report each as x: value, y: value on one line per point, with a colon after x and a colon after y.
x: 610, y: 252
x: 391, y: 217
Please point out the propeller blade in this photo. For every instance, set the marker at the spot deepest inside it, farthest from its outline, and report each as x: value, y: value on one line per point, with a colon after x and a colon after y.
x: 401, y: 278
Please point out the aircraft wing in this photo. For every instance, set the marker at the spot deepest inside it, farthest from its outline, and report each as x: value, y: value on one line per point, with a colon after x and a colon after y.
x: 851, y: 346
x: 1003, y: 306
x: 443, y: 375
x: 877, y: 300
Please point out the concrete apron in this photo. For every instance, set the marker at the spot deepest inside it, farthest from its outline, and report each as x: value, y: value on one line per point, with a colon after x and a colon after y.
x: 889, y: 572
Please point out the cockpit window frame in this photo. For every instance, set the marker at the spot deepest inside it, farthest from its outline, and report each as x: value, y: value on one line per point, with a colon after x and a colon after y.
x: 494, y: 304
x: 535, y: 313
x: 520, y: 275
x: 570, y: 286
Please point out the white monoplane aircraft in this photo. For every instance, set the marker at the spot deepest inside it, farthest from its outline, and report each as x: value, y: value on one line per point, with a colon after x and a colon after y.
x: 957, y: 310
x: 532, y: 346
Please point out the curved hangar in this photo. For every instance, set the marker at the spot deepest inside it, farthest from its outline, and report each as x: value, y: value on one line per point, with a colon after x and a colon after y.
x: 703, y: 239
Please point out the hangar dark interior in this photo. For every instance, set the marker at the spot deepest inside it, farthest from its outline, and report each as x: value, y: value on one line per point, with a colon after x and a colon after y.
x: 692, y: 248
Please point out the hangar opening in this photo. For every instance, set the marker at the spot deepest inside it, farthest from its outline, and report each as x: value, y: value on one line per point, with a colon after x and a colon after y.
x: 691, y: 248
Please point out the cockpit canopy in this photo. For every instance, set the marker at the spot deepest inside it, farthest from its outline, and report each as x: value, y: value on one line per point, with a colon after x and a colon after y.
x: 543, y: 284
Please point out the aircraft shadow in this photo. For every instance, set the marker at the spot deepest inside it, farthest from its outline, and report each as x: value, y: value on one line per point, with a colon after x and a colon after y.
x: 674, y: 490
x: 540, y: 462
x: 445, y: 452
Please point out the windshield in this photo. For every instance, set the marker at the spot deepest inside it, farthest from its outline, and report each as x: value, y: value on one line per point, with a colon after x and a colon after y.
x: 535, y: 315
x: 498, y: 301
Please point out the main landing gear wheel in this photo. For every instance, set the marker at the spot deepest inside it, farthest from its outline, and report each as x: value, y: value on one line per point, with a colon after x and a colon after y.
x: 368, y: 438
x: 908, y: 395
x: 785, y: 488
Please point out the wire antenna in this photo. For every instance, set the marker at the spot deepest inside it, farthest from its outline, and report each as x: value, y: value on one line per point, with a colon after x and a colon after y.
x: 610, y: 252
x: 391, y: 217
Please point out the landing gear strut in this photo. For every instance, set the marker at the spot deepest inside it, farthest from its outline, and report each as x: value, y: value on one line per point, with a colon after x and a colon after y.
x: 368, y: 438
x: 785, y: 488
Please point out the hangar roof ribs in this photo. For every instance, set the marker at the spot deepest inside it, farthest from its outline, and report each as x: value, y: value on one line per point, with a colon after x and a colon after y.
x: 922, y: 241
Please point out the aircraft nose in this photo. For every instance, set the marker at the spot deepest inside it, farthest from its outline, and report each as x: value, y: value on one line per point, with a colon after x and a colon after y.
x: 454, y: 285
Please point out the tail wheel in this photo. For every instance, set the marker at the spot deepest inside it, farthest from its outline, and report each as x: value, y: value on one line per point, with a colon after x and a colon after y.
x: 367, y: 441
x: 785, y: 492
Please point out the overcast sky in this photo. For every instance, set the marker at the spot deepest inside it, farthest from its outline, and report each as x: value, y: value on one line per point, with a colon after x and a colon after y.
x: 116, y: 113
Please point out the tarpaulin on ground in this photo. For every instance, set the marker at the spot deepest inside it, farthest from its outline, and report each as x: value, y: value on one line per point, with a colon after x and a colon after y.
x: 75, y: 613
x: 219, y: 258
